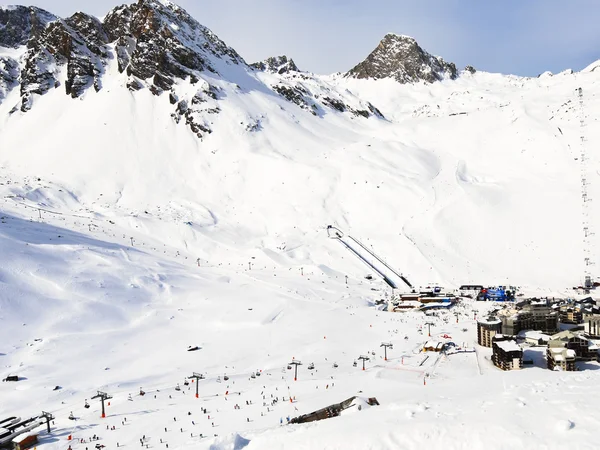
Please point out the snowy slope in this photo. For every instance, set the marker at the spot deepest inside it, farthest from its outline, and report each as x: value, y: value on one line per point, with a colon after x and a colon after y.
x: 128, y: 234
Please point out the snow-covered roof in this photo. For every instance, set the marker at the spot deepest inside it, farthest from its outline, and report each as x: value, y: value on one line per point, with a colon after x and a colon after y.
x: 561, y: 353
x: 489, y: 321
x: 508, y: 346
x: 531, y: 334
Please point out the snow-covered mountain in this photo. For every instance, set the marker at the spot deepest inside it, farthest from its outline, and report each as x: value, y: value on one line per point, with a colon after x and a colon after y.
x: 158, y: 192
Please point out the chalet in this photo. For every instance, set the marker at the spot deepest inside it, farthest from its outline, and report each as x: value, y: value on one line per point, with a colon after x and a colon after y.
x: 433, y: 346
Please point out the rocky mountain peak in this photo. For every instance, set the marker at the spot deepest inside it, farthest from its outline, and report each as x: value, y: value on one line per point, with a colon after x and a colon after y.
x: 276, y: 64
x: 19, y: 23
x: 157, y: 39
x: 155, y: 45
x: 401, y: 58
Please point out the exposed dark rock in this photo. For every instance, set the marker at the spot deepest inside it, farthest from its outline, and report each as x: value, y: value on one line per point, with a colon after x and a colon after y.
x: 470, y: 69
x: 335, y: 104
x: 89, y: 28
x: 59, y: 44
x: 297, y: 95
x: 162, y: 42
x: 375, y: 111
x: 134, y: 85
x: 276, y: 64
x: 19, y: 23
x: 401, y: 58
x: 9, y: 75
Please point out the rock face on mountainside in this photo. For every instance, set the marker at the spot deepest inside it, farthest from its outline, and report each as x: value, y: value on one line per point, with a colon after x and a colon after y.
x: 19, y: 23
x: 155, y: 45
x: 401, y: 58
x: 9, y: 74
x: 276, y: 64
x: 160, y: 41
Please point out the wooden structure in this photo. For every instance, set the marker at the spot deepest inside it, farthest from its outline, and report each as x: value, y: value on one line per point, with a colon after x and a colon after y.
x: 433, y: 346
x: 29, y: 442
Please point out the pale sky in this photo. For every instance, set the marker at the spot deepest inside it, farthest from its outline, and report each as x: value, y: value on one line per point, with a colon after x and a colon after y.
x: 523, y: 37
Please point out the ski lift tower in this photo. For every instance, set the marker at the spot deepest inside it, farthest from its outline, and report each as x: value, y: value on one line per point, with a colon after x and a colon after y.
x: 103, y: 396
x: 295, y: 363
x: 197, y: 377
x: 585, y: 197
x: 364, y: 358
x: 429, y: 328
x: 385, y: 346
x: 48, y: 418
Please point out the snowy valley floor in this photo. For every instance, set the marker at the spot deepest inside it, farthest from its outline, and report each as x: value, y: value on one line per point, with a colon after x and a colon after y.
x: 116, y: 318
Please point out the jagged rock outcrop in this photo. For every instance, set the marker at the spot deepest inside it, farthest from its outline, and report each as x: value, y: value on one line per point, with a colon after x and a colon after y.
x: 156, y: 45
x: 80, y: 43
x: 9, y: 75
x: 470, y: 69
x: 276, y: 64
x: 195, y: 111
x: 401, y: 58
x: 158, y: 42
x: 19, y: 23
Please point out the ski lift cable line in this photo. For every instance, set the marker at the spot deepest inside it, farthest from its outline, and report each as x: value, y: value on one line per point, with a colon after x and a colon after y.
x: 402, y: 277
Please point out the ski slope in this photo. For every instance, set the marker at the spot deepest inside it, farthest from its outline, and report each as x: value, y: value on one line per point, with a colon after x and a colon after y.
x: 125, y: 240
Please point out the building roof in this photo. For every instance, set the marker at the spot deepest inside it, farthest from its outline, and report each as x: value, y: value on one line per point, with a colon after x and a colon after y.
x: 561, y: 353
x: 531, y: 334
x: 564, y: 335
x: 508, y: 346
x: 489, y: 321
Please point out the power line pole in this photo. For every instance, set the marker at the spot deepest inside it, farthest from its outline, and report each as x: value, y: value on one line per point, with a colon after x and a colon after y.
x: 585, y: 197
x: 103, y: 396
x: 48, y: 418
x: 197, y: 377
x: 385, y: 346
x: 363, y: 358
x: 295, y: 363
